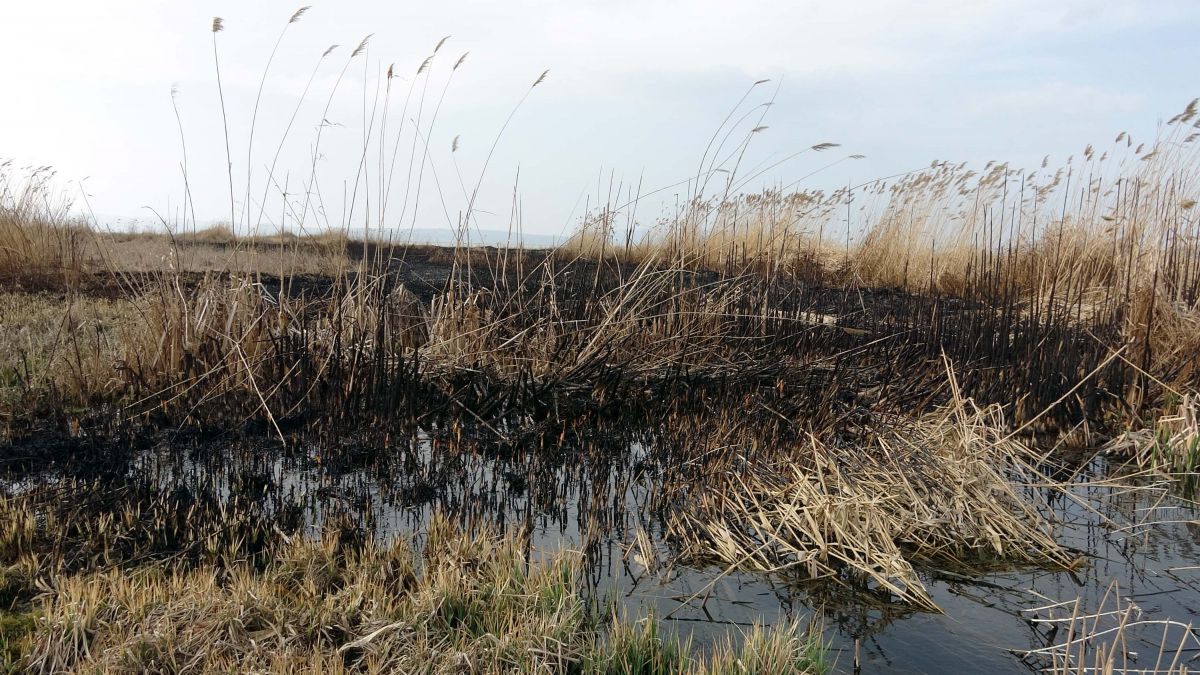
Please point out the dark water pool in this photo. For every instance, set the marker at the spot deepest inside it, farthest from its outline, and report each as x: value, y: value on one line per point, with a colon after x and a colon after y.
x: 607, y: 505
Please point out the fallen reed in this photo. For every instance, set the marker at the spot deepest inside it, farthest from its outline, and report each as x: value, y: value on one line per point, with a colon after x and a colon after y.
x: 947, y: 489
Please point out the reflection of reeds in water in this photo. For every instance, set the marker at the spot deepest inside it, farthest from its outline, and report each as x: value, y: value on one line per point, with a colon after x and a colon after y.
x: 1113, y: 637
x: 949, y: 496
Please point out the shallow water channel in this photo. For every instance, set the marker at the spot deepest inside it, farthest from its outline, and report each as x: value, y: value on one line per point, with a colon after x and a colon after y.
x: 602, y: 502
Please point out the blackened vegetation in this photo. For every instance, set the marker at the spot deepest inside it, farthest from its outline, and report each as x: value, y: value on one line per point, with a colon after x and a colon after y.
x: 530, y: 335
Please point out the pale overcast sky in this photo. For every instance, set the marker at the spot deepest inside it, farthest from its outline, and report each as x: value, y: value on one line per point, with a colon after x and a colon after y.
x: 635, y: 90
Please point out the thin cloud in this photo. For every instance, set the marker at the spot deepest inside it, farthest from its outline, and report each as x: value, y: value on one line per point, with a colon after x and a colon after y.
x: 1058, y: 98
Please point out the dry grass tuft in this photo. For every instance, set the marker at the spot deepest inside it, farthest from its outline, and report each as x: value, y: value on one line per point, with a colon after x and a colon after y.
x: 467, y: 603
x: 1171, y: 445
x: 40, y: 241
x: 59, y: 352
x: 216, y: 234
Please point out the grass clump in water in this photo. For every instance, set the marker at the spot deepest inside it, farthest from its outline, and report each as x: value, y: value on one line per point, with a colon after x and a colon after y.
x: 1171, y: 445
x: 947, y: 489
x: 641, y: 648
x: 463, y: 604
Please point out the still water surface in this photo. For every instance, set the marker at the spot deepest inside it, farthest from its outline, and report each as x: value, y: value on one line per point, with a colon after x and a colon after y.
x: 1144, y: 539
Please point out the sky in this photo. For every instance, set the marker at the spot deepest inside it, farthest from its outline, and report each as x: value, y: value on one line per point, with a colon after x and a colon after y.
x: 635, y: 91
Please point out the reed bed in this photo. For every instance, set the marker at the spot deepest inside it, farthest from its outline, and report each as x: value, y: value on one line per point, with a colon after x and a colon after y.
x: 1073, y: 289
x: 41, y: 240
x: 794, y: 343
x: 372, y: 344
x: 504, y: 331
x: 1110, y: 237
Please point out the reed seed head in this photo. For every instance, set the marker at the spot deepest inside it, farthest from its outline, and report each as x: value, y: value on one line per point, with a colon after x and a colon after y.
x: 361, y: 46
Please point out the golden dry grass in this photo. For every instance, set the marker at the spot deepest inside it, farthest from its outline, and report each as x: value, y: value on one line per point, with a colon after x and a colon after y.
x: 60, y: 347
x: 460, y: 603
x: 1170, y: 445
x: 39, y: 237
x: 945, y: 489
x: 222, y: 252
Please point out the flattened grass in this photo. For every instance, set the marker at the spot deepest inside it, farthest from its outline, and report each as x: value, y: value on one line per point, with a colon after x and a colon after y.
x: 948, y: 488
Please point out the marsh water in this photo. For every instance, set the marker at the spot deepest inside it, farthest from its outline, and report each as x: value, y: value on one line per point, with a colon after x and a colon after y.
x: 598, y: 494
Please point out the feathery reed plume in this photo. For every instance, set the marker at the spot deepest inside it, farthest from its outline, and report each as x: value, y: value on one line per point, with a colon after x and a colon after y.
x: 361, y: 46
